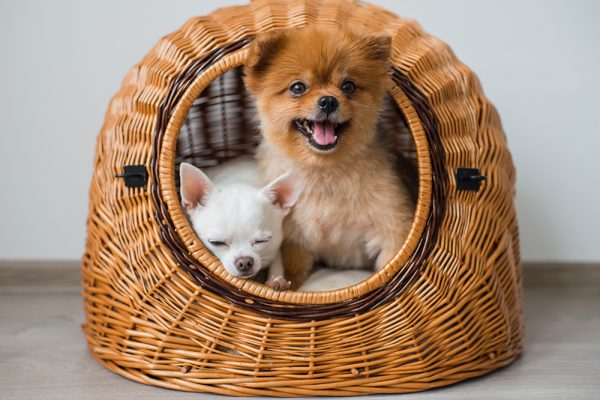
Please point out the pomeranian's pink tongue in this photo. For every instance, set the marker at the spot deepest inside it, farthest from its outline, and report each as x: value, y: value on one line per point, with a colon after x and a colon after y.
x: 323, y: 133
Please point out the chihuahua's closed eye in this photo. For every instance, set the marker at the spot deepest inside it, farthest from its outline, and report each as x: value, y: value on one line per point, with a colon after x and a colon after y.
x: 238, y: 221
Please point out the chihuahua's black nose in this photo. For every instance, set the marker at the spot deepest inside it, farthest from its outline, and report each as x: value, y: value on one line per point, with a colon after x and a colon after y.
x: 328, y: 104
x: 244, y: 264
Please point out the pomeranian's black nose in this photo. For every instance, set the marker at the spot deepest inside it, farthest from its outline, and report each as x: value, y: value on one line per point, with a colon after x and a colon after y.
x: 244, y: 264
x: 328, y: 104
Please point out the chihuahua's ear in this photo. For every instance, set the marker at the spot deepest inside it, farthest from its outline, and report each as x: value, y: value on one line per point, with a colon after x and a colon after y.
x: 260, y: 54
x: 283, y: 192
x: 379, y: 47
x: 195, y: 186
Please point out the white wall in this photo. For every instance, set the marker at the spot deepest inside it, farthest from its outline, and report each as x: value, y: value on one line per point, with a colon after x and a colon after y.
x: 61, y: 61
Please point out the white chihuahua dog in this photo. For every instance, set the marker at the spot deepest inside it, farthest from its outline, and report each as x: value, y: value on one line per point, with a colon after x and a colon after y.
x: 239, y: 222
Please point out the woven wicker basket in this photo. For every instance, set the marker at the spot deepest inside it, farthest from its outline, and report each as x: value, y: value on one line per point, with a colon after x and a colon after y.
x: 160, y: 309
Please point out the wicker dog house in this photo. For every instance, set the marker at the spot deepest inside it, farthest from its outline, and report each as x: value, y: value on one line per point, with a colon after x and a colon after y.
x: 161, y: 310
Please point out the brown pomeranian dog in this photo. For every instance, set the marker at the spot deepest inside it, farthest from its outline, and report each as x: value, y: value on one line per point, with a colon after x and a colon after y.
x: 319, y: 92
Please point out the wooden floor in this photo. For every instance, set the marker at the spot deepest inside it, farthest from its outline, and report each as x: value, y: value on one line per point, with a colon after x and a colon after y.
x: 43, y: 353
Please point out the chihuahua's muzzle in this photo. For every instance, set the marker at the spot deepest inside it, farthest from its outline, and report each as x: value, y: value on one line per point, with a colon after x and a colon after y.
x: 323, y: 127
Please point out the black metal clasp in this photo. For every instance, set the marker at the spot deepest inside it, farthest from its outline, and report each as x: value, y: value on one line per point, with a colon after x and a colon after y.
x: 469, y: 179
x: 134, y: 175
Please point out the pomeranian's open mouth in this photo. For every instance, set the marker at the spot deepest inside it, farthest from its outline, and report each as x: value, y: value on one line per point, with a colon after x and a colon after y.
x: 322, y: 135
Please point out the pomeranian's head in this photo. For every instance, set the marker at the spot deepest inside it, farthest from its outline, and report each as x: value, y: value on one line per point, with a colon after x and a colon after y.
x: 241, y: 225
x: 318, y: 90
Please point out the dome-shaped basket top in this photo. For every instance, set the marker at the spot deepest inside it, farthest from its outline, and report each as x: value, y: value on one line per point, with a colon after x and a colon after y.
x: 437, y: 96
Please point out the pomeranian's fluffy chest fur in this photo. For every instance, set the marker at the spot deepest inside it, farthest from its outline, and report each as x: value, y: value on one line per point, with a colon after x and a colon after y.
x: 343, y: 210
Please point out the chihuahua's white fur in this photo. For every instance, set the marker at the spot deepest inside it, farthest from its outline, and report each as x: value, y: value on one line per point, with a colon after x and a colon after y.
x: 227, y: 205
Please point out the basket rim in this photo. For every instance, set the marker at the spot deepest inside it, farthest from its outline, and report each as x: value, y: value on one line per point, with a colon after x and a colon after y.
x: 204, y: 264
x: 204, y: 256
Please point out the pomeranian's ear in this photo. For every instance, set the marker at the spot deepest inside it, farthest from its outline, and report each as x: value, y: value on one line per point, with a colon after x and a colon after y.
x: 380, y: 47
x: 283, y: 192
x: 260, y: 55
x: 195, y: 186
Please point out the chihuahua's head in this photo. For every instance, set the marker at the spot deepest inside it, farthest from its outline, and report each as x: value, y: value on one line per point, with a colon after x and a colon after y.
x: 318, y: 90
x: 241, y: 225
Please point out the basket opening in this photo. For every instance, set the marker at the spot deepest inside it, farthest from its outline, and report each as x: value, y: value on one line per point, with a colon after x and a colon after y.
x: 221, y: 125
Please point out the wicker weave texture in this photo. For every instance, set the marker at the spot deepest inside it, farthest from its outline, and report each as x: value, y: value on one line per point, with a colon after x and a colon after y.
x: 161, y: 310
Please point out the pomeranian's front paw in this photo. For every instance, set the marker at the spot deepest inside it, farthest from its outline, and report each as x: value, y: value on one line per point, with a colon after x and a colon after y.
x: 278, y: 283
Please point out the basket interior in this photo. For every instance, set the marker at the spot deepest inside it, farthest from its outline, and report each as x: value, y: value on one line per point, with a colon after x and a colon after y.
x: 222, y: 124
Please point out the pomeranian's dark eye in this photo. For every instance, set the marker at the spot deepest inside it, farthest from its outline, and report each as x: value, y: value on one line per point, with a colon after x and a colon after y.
x: 348, y: 87
x: 298, y: 88
x: 217, y: 243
